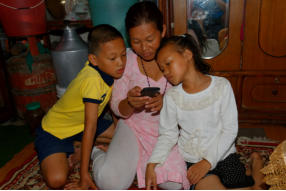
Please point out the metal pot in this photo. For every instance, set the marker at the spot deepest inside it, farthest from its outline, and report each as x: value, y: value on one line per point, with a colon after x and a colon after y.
x: 69, y: 57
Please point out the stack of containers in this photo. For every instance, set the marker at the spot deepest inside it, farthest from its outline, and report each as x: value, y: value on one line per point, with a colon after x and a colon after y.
x: 31, y: 73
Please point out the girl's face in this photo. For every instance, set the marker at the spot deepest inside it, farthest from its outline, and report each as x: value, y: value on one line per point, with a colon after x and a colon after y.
x: 145, y: 40
x: 173, y: 64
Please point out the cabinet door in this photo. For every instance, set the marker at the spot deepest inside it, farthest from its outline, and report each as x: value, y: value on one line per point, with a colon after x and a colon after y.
x: 265, y: 35
x: 229, y: 58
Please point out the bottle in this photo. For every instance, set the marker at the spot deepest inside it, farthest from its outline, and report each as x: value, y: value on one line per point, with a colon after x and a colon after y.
x: 33, y: 116
x: 69, y: 57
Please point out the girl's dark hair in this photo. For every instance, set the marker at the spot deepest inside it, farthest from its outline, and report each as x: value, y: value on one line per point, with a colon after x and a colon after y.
x: 184, y: 42
x: 143, y: 12
x: 101, y: 34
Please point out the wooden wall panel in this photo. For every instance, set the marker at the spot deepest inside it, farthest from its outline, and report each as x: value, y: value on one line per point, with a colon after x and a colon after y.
x: 254, y: 58
x: 272, y: 31
x: 180, y: 16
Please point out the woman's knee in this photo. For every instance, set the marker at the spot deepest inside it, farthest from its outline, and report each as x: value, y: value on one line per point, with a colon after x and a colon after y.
x: 109, y: 181
x: 171, y: 186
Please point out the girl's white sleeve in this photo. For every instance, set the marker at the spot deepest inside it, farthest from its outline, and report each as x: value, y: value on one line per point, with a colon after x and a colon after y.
x: 168, y: 131
x: 226, y: 138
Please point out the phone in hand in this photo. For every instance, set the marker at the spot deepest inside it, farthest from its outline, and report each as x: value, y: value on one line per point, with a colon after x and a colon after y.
x: 150, y: 91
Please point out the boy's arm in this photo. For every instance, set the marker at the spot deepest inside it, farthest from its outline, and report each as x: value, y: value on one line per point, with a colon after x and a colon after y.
x: 90, y: 126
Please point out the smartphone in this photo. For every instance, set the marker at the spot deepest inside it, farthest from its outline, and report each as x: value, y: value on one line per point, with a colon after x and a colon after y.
x: 150, y: 91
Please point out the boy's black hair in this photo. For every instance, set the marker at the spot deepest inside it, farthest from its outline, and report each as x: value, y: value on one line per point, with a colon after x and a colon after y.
x: 184, y: 42
x: 143, y: 12
x: 101, y: 34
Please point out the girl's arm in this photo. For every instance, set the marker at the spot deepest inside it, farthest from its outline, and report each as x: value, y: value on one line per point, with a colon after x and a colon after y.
x: 91, y: 113
x: 226, y: 138
x: 150, y: 176
x: 168, y: 137
x: 168, y: 131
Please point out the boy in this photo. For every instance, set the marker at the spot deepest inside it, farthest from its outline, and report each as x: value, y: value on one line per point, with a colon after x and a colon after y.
x: 76, y: 115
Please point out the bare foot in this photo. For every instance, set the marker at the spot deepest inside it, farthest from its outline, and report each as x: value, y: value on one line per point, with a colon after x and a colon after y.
x: 75, y: 157
x: 103, y: 147
x: 257, y: 165
x: 248, y: 171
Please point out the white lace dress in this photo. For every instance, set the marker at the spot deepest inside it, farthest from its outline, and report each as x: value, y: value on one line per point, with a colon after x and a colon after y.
x: 208, y: 121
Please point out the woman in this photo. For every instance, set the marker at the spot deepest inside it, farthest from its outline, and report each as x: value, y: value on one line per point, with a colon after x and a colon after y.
x: 137, y: 130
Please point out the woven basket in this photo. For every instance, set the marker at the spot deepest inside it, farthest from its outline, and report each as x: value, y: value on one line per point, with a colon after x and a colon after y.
x: 275, y: 171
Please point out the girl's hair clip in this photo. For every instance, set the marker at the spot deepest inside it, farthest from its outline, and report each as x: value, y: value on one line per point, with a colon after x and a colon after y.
x: 183, y: 35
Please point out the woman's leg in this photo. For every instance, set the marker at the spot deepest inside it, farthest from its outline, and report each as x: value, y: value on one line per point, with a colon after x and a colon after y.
x: 171, y: 186
x: 116, y: 168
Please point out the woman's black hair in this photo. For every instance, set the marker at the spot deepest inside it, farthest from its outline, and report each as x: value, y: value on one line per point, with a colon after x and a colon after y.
x: 184, y: 42
x: 143, y: 12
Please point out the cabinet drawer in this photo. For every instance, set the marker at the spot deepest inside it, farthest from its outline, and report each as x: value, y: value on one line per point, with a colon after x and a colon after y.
x: 264, y: 93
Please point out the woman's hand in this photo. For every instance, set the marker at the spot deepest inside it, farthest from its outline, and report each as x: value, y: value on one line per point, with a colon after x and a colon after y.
x: 150, y: 177
x: 85, y: 183
x: 198, y: 171
x: 155, y: 104
x: 134, y: 98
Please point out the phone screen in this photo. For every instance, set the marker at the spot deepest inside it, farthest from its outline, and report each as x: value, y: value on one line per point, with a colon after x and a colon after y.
x: 150, y: 91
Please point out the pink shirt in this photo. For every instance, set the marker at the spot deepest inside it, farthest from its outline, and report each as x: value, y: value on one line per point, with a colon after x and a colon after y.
x: 145, y: 126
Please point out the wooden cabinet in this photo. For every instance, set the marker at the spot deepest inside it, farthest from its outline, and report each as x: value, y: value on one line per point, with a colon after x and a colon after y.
x: 254, y: 59
x: 265, y: 93
x: 264, y: 35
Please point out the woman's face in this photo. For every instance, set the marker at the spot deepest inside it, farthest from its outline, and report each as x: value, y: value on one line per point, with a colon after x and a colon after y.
x: 145, y: 40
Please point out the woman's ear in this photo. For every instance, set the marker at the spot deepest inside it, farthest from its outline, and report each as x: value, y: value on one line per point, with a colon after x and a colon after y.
x: 164, y: 31
x: 92, y: 59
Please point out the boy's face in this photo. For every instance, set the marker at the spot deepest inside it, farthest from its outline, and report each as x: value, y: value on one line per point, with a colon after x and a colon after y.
x: 111, y: 57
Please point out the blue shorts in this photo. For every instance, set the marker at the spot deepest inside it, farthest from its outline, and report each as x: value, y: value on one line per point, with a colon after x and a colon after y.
x: 47, y: 144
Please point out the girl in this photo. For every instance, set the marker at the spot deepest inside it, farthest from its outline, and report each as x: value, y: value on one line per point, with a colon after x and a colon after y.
x: 204, y: 107
x: 137, y: 129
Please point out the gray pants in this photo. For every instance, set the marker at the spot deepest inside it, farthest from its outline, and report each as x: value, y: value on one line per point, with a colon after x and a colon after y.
x: 116, y: 169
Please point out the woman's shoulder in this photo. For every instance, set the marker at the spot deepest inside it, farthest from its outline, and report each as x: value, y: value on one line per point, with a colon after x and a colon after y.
x: 131, y: 56
x: 131, y: 62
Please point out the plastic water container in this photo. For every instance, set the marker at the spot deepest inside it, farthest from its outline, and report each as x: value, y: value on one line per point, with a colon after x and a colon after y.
x: 23, y: 17
x: 35, y: 83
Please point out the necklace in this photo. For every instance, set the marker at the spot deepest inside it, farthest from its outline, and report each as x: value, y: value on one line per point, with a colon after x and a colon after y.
x: 148, y: 77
